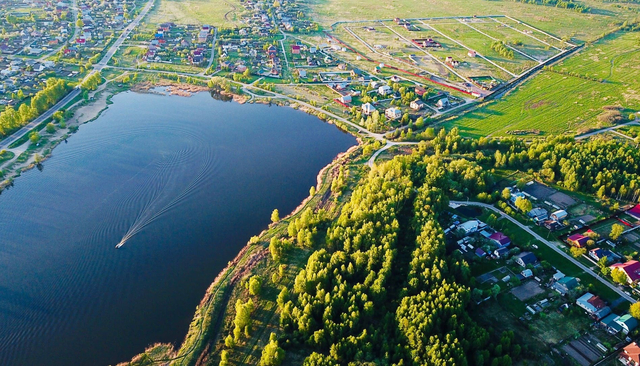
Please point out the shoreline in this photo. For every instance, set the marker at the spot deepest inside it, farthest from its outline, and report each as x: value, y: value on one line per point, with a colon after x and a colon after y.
x: 214, y: 302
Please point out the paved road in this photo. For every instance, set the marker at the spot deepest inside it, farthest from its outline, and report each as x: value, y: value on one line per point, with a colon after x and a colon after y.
x: 4, y: 144
x: 123, y: 36
x: 589, y: 134
x: 386, y: 147
x: 213, y: 51
x: 550, y: 245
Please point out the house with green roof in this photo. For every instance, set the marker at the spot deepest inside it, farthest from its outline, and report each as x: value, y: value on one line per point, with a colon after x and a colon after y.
x: 610, y: 323
x: 627, y: 323
x: 565, y: 285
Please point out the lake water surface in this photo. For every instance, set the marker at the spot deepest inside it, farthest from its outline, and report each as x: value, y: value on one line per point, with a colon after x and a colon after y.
x: 186, y: 181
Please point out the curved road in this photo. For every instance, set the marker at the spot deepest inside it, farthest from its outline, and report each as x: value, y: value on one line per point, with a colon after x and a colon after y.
x: 550, y: 245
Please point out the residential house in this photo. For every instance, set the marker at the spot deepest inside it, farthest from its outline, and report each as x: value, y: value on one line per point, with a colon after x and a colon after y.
x: 480, y: 253
x: 393, y: 113
x: 630, y: 268
x: 525, y: 258
x: 202, y: 36
x: 630, y: 355
x: 593, y: 305
x: 471, y: 226
x: 610, y: 325
x: 538, y: 214
x: 345, y: 99
x: 420, y: 90
x: 368, y: 108
x: 558, y: 275
x: 552, y: 225
x: 578, y: 240
x: 565, y: 285
x: 272, y: 51
x: 527, y: 273
x: 302, y: 73
x: 599, y: 253
x: 627, y: 323
x: 501, y: 253
x: 501, y: 240
x: 295, y: 49
x: 472, y: 53
x: 356, y: 73
x: 384, y: 90
x: 635, y: 212
x: 516, y: 195
x: 417, y: 105
x: 559, y: 215
x: 443, y: 103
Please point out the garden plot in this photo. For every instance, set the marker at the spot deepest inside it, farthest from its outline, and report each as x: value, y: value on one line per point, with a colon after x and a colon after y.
x: 533, y: 48
x: 468, y: 34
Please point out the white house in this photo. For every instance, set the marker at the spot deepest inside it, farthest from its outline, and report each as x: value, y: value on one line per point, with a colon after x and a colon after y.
x: 367, y: 108
x: 345, y: 99
x: 393, y: 113
x: 471, y: 226
x: 559, y: 215
x: 443, y: 103
x: 384, y: 90
x: 417, y: 105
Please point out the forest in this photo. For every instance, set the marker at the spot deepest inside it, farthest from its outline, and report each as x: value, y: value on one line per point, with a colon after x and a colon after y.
x: 382, y: 290
x: 380, y: 287
x: 12, y: 119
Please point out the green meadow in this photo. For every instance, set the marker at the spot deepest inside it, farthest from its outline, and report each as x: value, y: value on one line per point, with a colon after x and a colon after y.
x: 555, y: 102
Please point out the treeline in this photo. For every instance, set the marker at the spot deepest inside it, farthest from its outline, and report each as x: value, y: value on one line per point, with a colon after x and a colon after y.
x: 571, y: 73
x: 603, y: 167
x: 12, y: 119
x: 382, y: 290
x: 606, y: 168
x: 92, y: 82
x: 565, y: 4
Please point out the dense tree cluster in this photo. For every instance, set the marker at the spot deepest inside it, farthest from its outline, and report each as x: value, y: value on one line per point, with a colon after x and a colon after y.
x: 383, y: 291
x: 304, y: 229
x: 92, y: 82
x: 11, y: 119
x: 242, y: 321
x: 502, y: 49
x: 604, y: 167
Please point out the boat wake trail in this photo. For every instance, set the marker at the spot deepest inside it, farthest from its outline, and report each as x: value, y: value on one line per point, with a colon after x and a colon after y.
x: 171, y: 185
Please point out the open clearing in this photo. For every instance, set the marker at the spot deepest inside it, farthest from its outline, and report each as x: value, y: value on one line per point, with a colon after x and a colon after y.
x: 556, y: 103
x: 220, y: 13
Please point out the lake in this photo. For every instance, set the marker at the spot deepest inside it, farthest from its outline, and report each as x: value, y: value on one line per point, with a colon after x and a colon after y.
x: 183, y: 183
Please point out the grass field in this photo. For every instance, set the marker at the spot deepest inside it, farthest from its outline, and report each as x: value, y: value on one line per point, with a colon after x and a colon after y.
x: 220, y: 13
x: 555, y: 103
x: 562, y: 22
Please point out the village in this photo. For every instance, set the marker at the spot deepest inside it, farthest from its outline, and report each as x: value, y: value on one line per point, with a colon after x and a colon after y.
x: 535, y: 290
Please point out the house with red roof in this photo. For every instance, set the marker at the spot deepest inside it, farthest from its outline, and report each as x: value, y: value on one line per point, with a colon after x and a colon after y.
x: 578, y: 240
x: 500, y: 239
x: 630, y: 355
x: 593, y: 305
x: 630, y: 268
x: 635, y: 212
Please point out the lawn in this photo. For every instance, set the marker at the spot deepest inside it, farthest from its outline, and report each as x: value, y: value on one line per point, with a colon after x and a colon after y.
x: 220, y: 13
x: 556, y: 103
